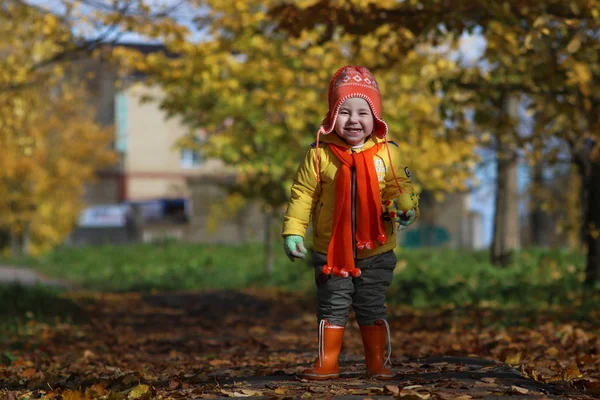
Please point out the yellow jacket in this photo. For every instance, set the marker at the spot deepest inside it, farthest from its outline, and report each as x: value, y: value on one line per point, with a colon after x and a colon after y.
x: 317, y: 200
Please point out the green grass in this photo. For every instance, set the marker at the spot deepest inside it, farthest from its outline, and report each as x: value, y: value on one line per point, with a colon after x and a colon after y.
x: 423, y: 278
x: 168, y: 266
x: 441, y: 277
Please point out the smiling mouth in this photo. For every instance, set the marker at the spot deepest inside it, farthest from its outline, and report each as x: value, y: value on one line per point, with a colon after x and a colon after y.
x: 354, y: 130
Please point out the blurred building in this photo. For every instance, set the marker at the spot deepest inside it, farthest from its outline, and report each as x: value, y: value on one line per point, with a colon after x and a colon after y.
x: 146, y: 195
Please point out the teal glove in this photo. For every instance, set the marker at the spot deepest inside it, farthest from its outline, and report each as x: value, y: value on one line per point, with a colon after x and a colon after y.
x: 407, y: 219
x: 294, y: 247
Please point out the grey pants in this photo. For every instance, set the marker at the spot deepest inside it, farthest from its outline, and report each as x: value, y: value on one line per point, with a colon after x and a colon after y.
x: 366, y: 294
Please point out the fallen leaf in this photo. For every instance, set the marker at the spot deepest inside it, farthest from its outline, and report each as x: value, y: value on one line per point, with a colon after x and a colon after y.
x: 513, y: 359
x: 519, y: 389
x: 71, y: 395
x: 88, y: 355
x: 219, y: 363
x: 251, y: 392
x: 411, y: 387
x: 174, y: 384
x: 393, y: 389
x: 489, y: 380
x: 571, y: 372
x: 413, y: 395
x: 139, y: 391
x: 96, y: 390
x: 280, y: 390
x: 28, y: 373
x: 552, y: 352
x: 233, y: 394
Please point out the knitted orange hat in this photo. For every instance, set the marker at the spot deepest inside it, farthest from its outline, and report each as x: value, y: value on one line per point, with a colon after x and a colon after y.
x: 353, y: 81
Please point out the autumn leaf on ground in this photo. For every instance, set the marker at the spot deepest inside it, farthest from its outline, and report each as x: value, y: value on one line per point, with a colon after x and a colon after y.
x: 72, y: 395
x: 230, y: 393
x: 280, y: 390
x: 413, y: 395
x: 552, y: 351
x: 513, y: 359
x: 393, y: 389
x: 96, y: 390
x: 571, y: 372
x: 28, y: 373
x: 139, y: 392
x: 519, y: 389
x: 251, y: 392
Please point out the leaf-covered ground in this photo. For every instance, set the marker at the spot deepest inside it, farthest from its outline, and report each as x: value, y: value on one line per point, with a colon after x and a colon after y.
x: 252, y: 343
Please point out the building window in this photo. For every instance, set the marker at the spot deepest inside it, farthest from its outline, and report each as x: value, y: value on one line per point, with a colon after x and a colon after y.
x: 190, y: 158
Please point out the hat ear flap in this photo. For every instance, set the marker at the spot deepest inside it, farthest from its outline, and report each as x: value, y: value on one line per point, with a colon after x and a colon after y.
x: 381, y: 128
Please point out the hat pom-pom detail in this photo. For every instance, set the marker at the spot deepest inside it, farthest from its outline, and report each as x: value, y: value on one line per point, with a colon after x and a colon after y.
x: 369, y: 245
x: 326, y: 270
x: 360, y: 245
x: 356, y: 273
x: 381, y: 239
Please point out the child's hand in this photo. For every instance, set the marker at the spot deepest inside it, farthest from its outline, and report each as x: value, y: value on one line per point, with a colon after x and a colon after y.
x: 393, y: 210
x: 294, y: 247
x: 407, y: 219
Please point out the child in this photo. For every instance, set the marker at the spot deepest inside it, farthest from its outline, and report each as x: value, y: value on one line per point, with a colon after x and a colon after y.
x: 342, y: 184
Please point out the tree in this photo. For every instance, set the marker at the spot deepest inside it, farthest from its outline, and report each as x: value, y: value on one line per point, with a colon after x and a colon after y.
x: 40, y: 42
x: 51, y: 147
x: 51, y: 144
x: 261, y: 95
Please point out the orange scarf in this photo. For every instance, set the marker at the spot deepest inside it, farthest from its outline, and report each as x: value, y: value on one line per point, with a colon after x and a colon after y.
x: 369, y: 225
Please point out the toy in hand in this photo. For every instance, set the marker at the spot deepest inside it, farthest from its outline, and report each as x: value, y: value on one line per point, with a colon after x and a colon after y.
x: 342, y: 272
x: 402, y: 208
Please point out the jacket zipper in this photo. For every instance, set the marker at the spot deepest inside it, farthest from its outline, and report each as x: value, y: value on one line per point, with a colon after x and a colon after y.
x: 353, y: 206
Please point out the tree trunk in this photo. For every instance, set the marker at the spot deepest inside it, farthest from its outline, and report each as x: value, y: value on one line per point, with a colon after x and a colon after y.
x: 592, y: 225
x: 4, y: 239
x: 506, y: 237
x: 26, y: 240
x: 269, y: 255
x: 16, y: 244
x: 539, y: 226
x: 506, y: 217
x: 581, y: 162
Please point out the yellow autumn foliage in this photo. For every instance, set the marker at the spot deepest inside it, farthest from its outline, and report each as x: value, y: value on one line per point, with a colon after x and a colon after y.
x: 49, y: 152
x: 272, y: 89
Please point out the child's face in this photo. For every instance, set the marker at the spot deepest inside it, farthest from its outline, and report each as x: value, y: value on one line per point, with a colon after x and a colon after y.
x: 354, y: 122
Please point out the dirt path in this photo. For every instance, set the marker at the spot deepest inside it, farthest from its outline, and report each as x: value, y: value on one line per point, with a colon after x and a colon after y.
x: 252, y: 344
x: 27, y: 277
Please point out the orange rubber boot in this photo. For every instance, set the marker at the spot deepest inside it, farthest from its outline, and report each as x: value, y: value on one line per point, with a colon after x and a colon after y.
x: 330, y: 345
x: 374, y: 340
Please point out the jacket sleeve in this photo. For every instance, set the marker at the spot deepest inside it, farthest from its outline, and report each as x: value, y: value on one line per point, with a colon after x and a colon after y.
x: 304, y: 197
x: 402, y: 175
